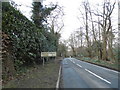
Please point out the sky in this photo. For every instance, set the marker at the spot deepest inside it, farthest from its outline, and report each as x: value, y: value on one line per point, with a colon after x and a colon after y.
x: 70, y: 7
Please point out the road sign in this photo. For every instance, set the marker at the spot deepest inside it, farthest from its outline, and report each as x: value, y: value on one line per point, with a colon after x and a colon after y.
x: 48, y: 54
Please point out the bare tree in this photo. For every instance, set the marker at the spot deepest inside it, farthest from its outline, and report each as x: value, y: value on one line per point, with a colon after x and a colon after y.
x: 55, y: 20
x: 106, y: 25
x: 101, y: 33
x: 79, y: 36
x: 107, y: 11
x: 85, y: 4
x: 73, y: 43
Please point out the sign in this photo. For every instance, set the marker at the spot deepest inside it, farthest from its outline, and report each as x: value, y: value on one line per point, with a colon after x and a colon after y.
x: 48, y: 54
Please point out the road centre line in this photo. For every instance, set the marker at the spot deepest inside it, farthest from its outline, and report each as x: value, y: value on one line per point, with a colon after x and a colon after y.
x: 98, y: 76
x: 73, y: 62
x: 76, y: 64
x: 79, y: 65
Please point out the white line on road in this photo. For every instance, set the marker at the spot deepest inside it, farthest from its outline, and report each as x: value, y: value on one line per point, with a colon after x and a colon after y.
x: 73, y: 61
x: 58, y: 81
x: 98, y: 76
x: 79, y: 65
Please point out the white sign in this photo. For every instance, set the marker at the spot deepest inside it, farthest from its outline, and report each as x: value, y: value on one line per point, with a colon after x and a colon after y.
x: 48, y: 54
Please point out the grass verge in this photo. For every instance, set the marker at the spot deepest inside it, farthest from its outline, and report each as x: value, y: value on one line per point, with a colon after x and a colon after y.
x: 38, y: 77
x: 108, y: 64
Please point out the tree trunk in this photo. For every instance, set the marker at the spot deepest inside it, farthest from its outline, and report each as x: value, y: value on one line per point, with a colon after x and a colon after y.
x: 104, y: 47
x: 86, y: 27
x: 110, y: 42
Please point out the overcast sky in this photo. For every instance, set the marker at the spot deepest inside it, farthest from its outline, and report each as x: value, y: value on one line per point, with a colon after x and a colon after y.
x: 70, y: 9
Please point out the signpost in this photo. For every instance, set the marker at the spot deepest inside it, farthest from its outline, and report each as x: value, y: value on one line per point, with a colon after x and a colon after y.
x: 47, y: 54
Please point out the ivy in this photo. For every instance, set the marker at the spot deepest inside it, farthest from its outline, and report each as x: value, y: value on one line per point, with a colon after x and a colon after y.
x: 27, y: 40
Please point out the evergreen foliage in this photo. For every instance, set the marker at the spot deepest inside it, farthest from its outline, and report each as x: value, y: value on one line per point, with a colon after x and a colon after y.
x: 24, y: 39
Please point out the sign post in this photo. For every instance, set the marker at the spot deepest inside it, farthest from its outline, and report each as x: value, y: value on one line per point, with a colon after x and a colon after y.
x: 47, y: 54
x: 43, y: 61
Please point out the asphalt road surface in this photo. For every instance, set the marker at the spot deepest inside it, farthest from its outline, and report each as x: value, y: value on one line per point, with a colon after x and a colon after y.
x: 79, y: 74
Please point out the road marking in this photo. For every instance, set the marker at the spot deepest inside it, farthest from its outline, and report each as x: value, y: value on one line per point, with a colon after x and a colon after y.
x: 73, y: 62
x: 79, y: 65
x: 98, y: 76
x: 58, y: 81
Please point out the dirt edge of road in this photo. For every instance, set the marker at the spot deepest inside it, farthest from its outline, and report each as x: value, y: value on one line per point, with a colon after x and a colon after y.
x: 40, y: 77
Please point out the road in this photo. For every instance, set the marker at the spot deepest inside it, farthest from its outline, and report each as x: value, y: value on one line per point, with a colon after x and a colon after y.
x: 79, y: 74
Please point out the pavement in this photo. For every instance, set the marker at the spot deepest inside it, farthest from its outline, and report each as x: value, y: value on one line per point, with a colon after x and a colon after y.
x: 80, y: 74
